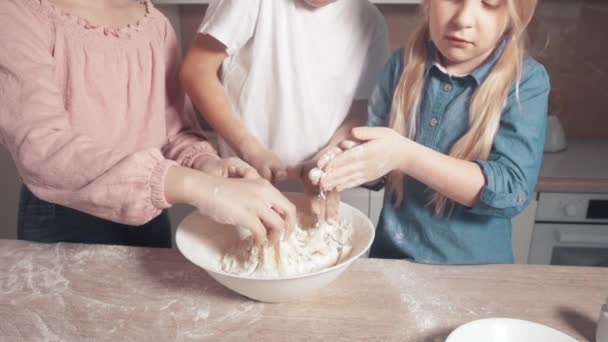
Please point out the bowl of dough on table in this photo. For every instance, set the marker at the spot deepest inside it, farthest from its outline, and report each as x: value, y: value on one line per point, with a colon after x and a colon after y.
x: 311, y: 258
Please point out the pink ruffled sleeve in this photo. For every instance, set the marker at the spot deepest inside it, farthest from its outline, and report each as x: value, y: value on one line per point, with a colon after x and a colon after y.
x: 56, y: 162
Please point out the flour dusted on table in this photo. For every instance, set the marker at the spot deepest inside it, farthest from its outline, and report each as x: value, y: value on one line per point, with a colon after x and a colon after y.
x: 307, y: 250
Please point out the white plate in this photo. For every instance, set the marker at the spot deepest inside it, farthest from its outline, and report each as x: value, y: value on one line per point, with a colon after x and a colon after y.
x: 506, y: 330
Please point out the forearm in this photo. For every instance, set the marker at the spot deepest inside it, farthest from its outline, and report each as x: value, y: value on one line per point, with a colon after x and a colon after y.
x: 178, y: 182
x: 210, y: 98
x: 457, y: 179
x: 129, y: 191
x: 185, y: 139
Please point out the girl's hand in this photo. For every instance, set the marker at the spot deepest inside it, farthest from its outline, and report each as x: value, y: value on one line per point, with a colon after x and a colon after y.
x: 322, y: 206
x: 379, y: 151
x: 267, y: 164
x: 253, y: 204
x: 228, y: 167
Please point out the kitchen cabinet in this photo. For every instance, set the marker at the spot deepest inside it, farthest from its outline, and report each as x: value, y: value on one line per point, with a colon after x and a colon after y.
x: 376, y: 198
x: 369, y: 202
x: 358, y: 198
x: 523, y: 225
x: 570, y: 229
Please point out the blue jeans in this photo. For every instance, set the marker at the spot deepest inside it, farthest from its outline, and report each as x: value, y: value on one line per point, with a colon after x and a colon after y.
x: 42, y: 221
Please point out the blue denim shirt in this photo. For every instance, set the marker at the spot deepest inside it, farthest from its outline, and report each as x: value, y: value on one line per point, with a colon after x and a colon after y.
x: 481, y: 234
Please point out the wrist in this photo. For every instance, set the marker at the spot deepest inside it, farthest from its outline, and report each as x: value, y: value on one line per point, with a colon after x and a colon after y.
x: 243, y: 141
x: 179, y: 183
x: 157, y: 183
x: 202, y: 158
x: 246, y: 146
x: 409, y: 152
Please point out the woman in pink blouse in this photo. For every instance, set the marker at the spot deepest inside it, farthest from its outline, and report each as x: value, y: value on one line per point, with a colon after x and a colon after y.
x: 91, y: 111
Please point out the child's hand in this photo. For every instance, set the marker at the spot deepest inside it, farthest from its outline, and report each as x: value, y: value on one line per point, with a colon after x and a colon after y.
x: 267, y: 164
x: 380, y: 151
x: 228, y: 167
x: 322, y: 206
x: 253, y: 204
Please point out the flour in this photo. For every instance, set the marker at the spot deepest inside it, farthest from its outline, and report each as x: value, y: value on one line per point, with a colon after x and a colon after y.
x: 307, y: 250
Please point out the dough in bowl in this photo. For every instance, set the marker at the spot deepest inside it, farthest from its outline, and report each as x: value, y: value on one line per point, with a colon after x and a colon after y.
x: 307, y: 250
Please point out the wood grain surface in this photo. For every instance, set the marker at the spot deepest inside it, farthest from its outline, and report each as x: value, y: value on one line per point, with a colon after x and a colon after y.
x: 72, y: 292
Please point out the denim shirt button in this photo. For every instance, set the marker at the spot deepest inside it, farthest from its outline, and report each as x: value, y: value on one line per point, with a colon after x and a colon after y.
x: 521, y: 198
x: 447, y: 87
x: 434, y: 122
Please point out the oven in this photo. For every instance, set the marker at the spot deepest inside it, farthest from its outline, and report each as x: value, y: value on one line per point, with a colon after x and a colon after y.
x: 570, y: 229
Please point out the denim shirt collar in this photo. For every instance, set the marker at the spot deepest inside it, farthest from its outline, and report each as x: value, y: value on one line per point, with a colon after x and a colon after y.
x: 479, y: 74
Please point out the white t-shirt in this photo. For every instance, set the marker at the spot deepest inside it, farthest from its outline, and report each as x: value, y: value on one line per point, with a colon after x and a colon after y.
x: 292, y: 71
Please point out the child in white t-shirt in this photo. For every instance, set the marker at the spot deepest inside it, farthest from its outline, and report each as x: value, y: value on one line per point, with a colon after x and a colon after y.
x: 282, y: 81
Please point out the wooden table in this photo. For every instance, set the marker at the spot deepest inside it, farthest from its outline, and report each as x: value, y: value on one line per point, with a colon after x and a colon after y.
x: 73, y: 292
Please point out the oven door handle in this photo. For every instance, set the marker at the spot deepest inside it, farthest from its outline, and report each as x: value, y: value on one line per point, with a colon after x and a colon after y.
x: 565, y: 237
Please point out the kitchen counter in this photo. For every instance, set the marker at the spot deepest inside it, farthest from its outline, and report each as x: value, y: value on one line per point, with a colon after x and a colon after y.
x: 73, y: 292
x: 582, y: 167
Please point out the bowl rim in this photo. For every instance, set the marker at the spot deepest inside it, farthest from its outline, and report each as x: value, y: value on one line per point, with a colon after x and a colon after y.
x: 344, y: 263
x: 507, y: 319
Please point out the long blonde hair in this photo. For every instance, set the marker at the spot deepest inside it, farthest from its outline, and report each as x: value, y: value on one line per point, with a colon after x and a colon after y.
x: 486, y: 104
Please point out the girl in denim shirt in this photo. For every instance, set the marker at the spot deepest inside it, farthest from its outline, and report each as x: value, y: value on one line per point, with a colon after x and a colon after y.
x: 458, y: 125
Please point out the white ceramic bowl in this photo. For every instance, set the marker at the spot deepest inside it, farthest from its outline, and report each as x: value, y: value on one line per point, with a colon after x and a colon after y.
x: 203, y: 242
x: 506, y: 330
